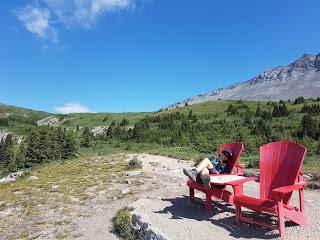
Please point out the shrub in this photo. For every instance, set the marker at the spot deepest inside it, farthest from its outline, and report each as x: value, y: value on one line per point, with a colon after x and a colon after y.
x: 134, y: 163
x: 123, y: 227
x: 122, y: 224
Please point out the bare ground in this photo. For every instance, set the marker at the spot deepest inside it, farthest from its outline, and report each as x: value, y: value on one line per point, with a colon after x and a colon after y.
x: 159, y: 193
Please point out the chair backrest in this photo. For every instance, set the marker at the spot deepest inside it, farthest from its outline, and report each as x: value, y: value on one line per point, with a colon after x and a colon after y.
x: 236, y: 149
x: 280, y: 165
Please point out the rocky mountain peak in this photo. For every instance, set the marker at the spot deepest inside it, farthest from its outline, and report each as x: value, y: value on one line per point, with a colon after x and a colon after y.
x: 299, y: 78
x: 317, y: 63
x: 305, y: 63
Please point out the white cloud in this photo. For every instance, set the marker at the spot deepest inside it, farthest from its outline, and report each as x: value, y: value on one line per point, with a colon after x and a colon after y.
x: 40, y: 17
x: 72, y: 108
x: 37, y: 21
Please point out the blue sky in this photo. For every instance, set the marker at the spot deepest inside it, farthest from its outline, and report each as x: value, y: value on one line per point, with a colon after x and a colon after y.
x: 141, y: 55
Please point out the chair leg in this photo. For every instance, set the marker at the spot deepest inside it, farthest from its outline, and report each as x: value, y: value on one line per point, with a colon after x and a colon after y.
x: 281, y: 224
x: 208, y: 202
x: 238, y: 214
x: 191, y: 195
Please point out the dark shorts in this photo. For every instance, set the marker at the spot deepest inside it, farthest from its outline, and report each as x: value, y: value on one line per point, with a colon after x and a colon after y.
x: 199, y: 180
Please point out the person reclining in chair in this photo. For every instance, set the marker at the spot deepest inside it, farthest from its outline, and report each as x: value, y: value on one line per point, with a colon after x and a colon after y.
x: 211, y: 165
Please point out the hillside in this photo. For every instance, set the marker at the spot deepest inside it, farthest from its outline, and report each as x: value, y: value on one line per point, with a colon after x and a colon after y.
x: 300, y: 78
x: 21, y: 120
x: 188, y: 132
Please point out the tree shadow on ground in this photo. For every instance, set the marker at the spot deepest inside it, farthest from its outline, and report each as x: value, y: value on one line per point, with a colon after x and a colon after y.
x: 180, y: 208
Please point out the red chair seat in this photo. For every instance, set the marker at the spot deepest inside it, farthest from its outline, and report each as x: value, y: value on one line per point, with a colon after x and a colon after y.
x: 255, y: 203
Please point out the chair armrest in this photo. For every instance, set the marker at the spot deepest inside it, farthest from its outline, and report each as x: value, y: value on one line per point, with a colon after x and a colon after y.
x: 241, y: 181
x: 290, y: 188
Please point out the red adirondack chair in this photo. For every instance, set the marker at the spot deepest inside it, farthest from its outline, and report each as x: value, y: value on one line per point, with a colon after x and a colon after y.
x: 220, y: 191
x: 280, y: 174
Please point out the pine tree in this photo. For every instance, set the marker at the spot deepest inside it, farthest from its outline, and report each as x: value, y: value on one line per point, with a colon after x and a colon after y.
x: 69, y: 147
x: 87, y: 137
x: 6, y: 151
x: 258, y: 111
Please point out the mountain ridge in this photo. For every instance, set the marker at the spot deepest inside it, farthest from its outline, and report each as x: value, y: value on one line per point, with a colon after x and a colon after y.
x: 299, y: 78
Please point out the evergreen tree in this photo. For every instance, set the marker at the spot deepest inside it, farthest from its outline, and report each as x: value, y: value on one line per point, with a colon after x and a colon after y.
x: 248, y: 117
x: 275, y: 112
x: 69, y: 147
x: 299, y: 100
x: 105, y: 119
x: 231, y: 110
x: 87, y: 138
x: 266, y: 116
x: 190, y: 116
x: 308, y: 127
x: 6, y: 151
x: 4, y: 122
x: 258, y: 111
x: 124, y: 122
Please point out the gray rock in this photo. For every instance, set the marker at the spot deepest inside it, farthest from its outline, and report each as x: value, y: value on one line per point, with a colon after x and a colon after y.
x: 33, y: 178
x: 132, y: 173
x: 150, y: 232
x: 11, y: 177
x: 128, y: 182
x: 125, y: 191
x: 55, y: 186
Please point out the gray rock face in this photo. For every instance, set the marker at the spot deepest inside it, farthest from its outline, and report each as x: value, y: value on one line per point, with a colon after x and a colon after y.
x: 3, y: 136
x: 300, y: 78
x: 99, y: 130
x: 17, y: 139
x: 49, y: 121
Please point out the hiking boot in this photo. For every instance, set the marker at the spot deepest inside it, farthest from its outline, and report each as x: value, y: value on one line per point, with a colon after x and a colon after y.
x: 206, y: 181
x: 192, y: 174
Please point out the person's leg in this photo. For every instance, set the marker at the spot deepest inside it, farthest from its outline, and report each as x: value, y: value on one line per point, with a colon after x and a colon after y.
x: 192, y: 173
x: 204, y: 174
x: 204, y: 164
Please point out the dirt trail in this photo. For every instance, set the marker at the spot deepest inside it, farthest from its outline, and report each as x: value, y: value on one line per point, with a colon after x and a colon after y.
x: 162, y: 199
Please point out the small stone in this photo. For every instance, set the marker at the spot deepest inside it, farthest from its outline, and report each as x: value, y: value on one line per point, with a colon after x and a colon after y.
x: 33, y: 178
x: 132, y: 173
x: 128, y: 182
x: 73, y: 199
x: 55, y: 186
x: 114, y: 198
x: 125, y: 191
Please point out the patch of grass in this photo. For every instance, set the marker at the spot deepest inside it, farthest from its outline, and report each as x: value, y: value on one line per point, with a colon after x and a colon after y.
x: 74, y: 178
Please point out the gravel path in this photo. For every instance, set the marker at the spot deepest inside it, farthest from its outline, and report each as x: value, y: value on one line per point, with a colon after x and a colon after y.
x: 163, y: 201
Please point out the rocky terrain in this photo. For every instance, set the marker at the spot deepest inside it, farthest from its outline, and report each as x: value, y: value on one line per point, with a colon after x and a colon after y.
x: 300, y: 78
x: 78, y: 200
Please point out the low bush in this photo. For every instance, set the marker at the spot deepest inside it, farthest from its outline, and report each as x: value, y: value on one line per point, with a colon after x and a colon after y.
x: 134, y: 163
x: 123, y: 226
